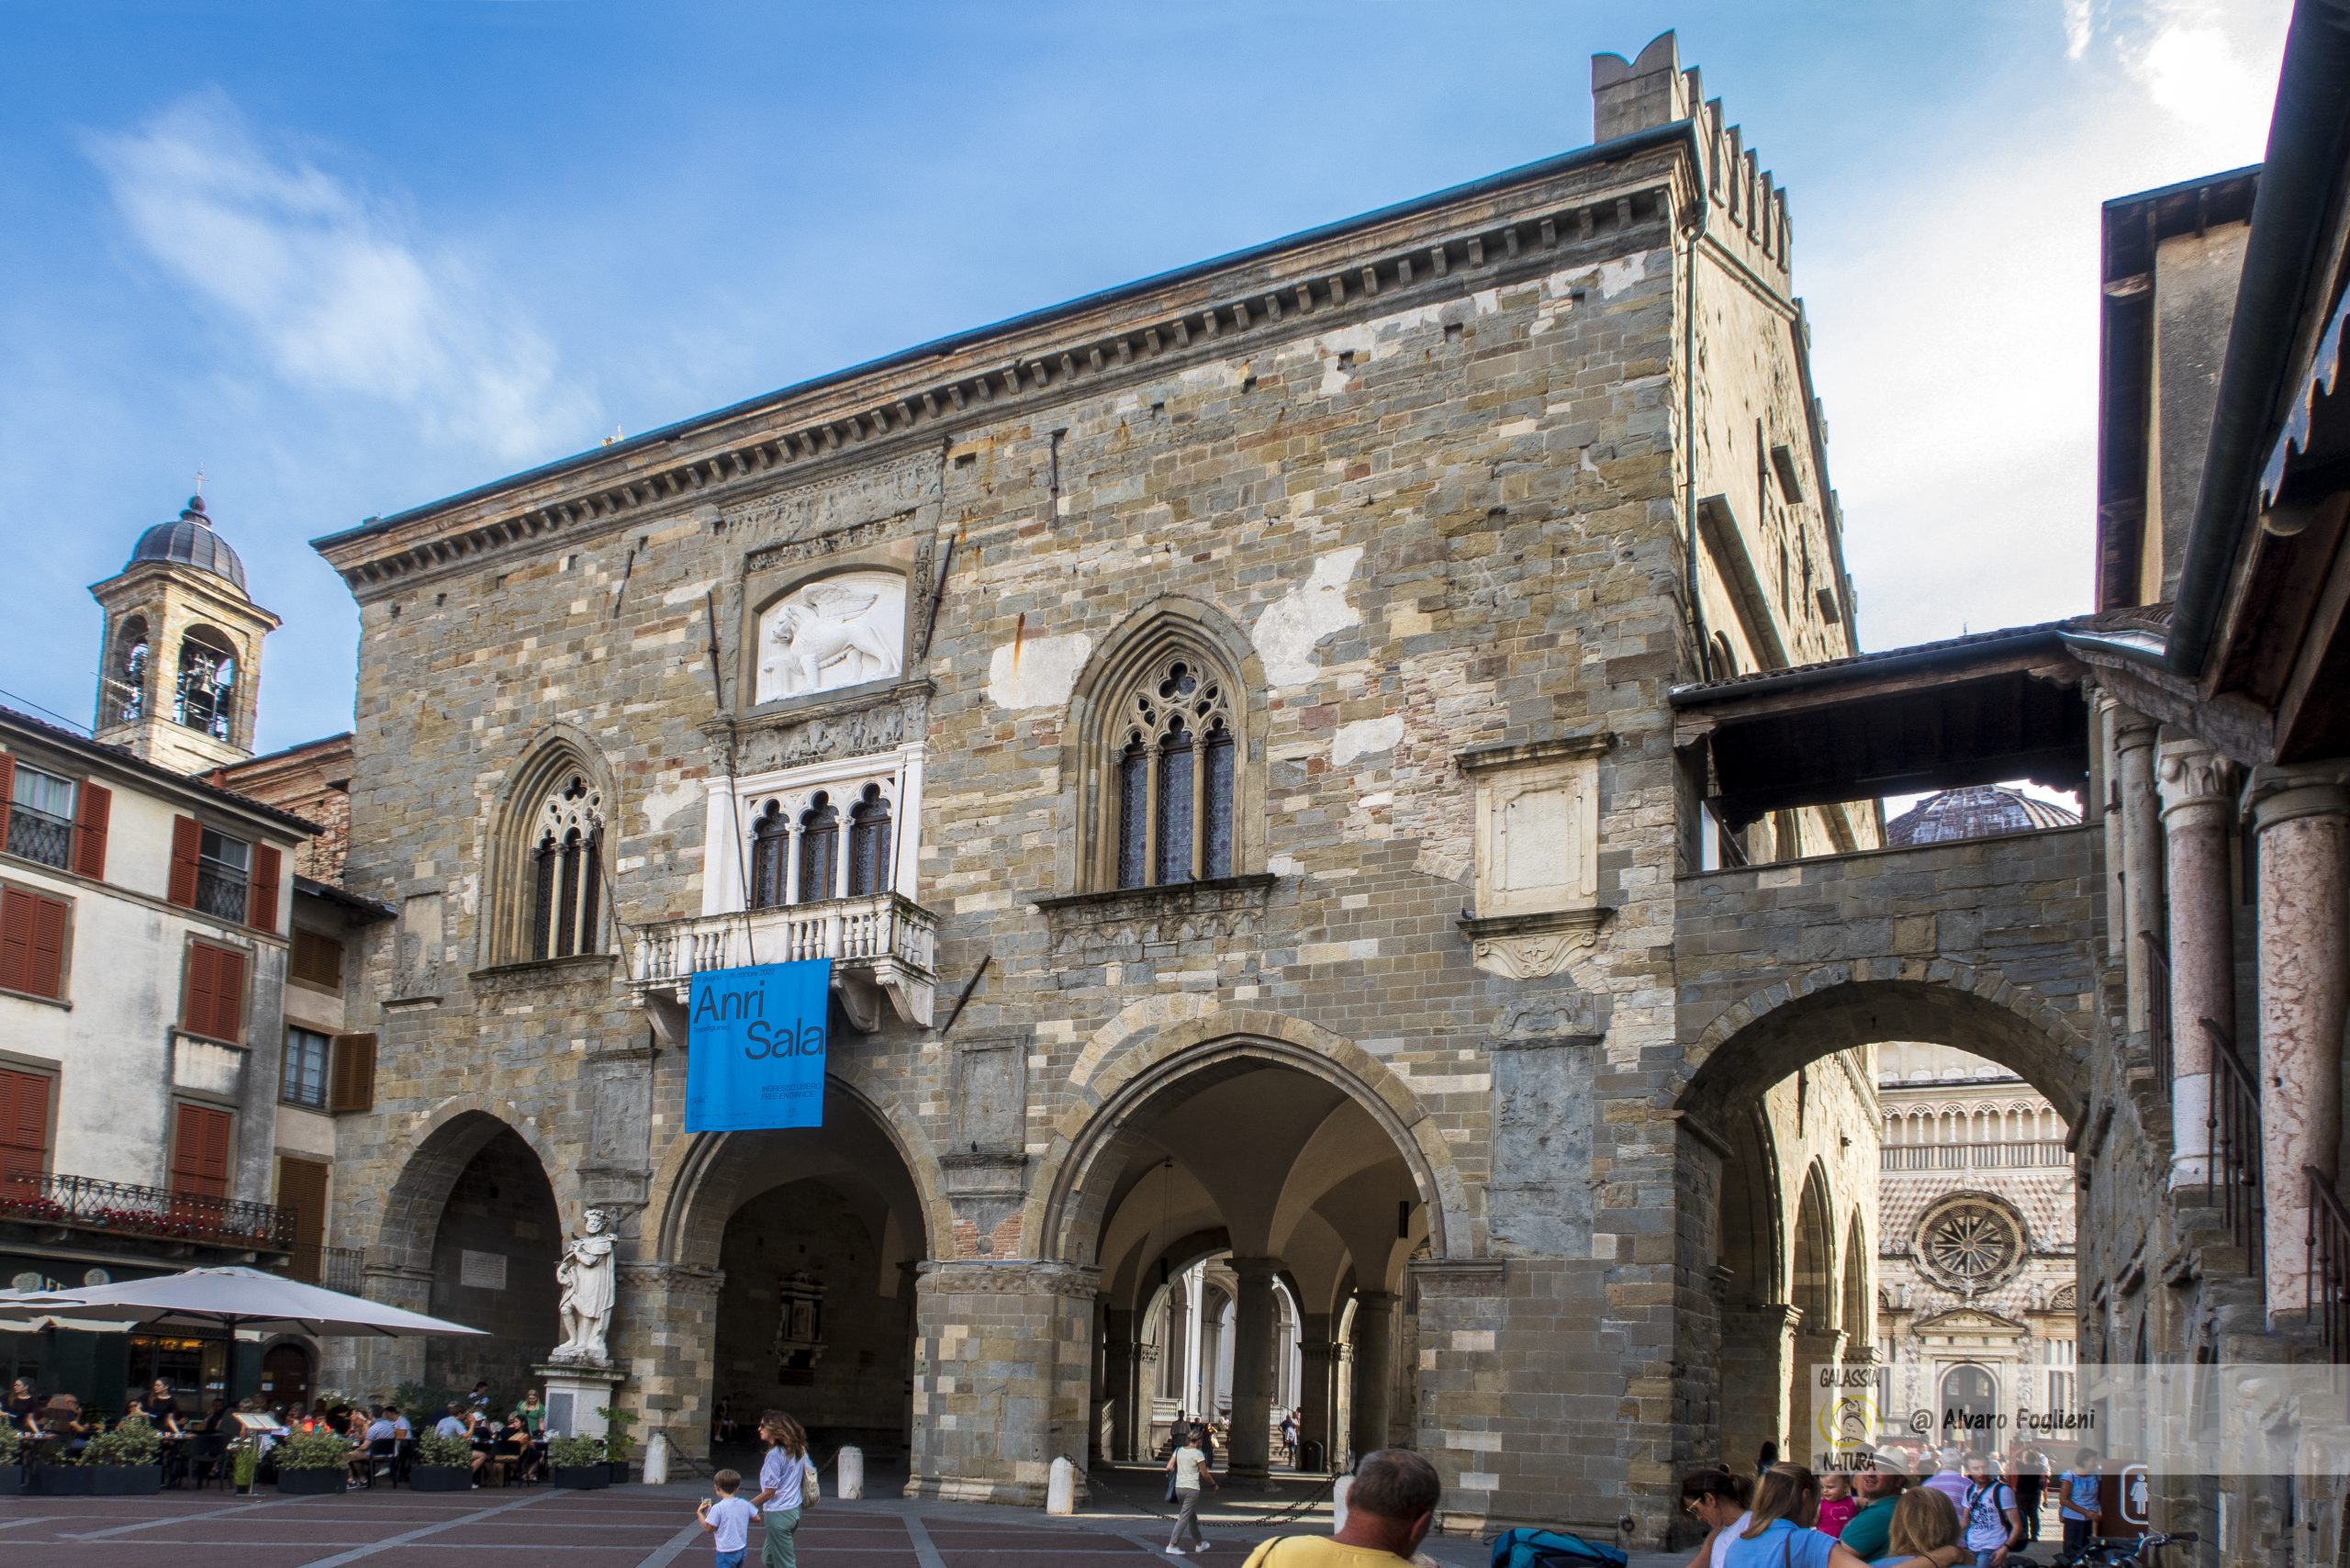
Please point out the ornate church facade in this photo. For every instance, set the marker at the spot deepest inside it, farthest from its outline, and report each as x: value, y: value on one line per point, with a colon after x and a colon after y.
x: 1219, y: 730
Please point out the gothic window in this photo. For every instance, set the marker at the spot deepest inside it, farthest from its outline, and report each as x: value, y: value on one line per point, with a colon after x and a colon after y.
x: 770, y: 858
x: 125, y: 694
x: 869, y: 843
x: 1176, y: 776
x: 567, y: 872
x: 819, y: 833
x: 205, y: 696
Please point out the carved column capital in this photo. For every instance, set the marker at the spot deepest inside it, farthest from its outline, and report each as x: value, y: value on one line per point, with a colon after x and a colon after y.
x: 2198, y: 785
x: 2278, y: 795
x: 2129, y: 728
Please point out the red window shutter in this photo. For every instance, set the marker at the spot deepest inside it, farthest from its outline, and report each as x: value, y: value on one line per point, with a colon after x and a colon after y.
x: 260, y: 896
x: 187, y: 839
x: 229, y: 999
x: 200, y: 1152
x: 195, y: 996
x: 93, y: 805
x: 24, y: 1126
x: 351, y: 1084
x: 15, y: 940
x: 45, y: 960
x: 8, y: 794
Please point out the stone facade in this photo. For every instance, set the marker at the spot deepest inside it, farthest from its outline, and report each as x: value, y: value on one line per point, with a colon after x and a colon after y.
x: 1416, y: 497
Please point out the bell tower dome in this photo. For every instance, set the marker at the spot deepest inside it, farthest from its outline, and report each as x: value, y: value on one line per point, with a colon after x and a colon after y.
x: 179, y: 663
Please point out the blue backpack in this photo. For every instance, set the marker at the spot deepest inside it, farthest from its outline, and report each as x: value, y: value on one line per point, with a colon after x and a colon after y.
x: 1551, y: 1549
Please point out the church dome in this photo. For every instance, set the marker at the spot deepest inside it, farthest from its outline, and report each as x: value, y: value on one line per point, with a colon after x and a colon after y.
x: 189, y: 540
x: 1982, y: 810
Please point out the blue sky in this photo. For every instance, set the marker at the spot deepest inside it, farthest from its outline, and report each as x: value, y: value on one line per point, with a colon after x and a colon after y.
x: 351, y: 257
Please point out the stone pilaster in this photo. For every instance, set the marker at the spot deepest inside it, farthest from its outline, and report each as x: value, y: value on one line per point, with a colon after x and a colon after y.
x: 664, y: 1337
x: 2302, y: 815
x: 377, y: 1366
x: 2199, y: 815
x: 1003, y: 1371
x: 1113, y: 1430
x: 1317, y: 1402
x: 1756, y: 1354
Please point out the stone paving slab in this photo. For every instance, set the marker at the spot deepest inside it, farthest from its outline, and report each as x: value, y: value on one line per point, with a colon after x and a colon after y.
x: 635, y: 1528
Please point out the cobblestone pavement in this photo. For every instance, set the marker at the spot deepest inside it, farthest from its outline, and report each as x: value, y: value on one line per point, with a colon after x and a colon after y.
x: 631, y: 1526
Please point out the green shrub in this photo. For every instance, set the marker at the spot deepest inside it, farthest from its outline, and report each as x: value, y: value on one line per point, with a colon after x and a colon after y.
x: 10, y: 1439
x: 619, y: 1447
x: 313, y: 1451
x: 244, y: 1462
x: 575, y: 1454
x: 425, y: 1403
x: 131, y: 1443
x: 443, y: 1453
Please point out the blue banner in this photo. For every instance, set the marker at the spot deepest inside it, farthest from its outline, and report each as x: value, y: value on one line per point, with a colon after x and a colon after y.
x: 754, y: 1047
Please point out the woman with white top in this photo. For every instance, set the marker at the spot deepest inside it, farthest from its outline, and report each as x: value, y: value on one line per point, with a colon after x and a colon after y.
x: 1717, y: 1500
x: 787, y: 1488
x: 1189, y: 1465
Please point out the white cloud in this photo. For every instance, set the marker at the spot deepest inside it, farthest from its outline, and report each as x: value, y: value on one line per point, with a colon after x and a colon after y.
x: 1957, y: 336
x: 330, y: 288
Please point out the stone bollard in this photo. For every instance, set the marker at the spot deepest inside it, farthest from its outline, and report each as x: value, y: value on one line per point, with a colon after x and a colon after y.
x: 656, y: 1461
x: 848, y: 1473
x: 1338, y: 1490
x: 1061, y: 1493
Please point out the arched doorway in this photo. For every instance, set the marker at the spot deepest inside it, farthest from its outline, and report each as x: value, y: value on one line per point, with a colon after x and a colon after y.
x: 1238, y: 1173
x: 816, y: 1233
x: 285, y: 1375
x: 1970, y: 1412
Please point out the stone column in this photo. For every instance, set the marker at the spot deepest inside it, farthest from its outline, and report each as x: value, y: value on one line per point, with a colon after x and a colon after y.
x: 1317, y: 1398
x: 1119, y: 1364
x: 1003, y: 1373
x: 2304, y: 817
x: 1253, y: 1317
x: 2199, y: 815
x: 1140, y: 1432
x: 1374, y: 1338
x: 2142, y: 876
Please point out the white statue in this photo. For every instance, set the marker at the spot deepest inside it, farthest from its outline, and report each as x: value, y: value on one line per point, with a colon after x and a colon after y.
x: 585, y: 1276
x: 841, y: 632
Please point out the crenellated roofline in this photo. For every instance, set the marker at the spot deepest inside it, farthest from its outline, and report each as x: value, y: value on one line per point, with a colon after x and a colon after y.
x: 1563, y: 210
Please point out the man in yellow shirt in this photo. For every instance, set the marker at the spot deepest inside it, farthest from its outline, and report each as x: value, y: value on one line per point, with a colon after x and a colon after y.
x: 1388, y: 1515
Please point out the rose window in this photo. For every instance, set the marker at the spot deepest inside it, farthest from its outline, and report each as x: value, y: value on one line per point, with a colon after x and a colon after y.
x: 1970, y: 1245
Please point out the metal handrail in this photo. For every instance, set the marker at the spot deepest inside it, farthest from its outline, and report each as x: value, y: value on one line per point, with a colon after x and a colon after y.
x: 2329, y: 1264
x: 2158, y: 1033
x: 2232, y: 1125
x: 337, y: 1267
x: 88, y: 1202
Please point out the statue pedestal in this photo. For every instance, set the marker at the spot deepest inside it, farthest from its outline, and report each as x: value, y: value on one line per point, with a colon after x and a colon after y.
x: 575, y: 1391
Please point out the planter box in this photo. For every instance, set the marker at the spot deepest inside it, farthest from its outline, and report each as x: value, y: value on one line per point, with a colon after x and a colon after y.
x: 585, y: 1478
x: 310, y: 1483
x: 61, y: 1481
x: 12, y: 1479
x: 124, y: 1480
x: 623, y: 1471
x: 439, y: 1478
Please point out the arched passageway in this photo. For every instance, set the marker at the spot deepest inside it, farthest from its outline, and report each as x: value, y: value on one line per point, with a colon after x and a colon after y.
x: 494, y: 1256
x: 814, y: 1235
x: 1241, y: 1176
x: 1791, y: 1283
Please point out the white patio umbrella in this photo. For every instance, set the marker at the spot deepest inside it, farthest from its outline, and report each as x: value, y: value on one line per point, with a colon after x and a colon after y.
x: 237, y: 1300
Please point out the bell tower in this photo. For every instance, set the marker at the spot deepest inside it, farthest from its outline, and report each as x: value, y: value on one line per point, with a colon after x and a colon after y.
x: 179, y: 661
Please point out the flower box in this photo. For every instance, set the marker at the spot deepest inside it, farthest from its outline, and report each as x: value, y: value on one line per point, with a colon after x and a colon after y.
x: 310, y: 1483
x: 61, y: 1481
x: 124, y: 1480
x: 439, y: 1478
x: 584, y: 1478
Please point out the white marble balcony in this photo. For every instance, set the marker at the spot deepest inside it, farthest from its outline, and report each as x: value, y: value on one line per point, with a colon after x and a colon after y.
x: 882, y: 946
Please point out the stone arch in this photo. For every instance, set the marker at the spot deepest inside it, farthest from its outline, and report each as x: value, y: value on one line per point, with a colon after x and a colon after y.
x: 1857, y: 1321
x: 452, y: 1134
x: 1168, y: 626
x: 1813, y: 1283
x: 1063, y: 1213
x: 684, y: 1226
x: 537, y: 770
x: 1769, y: 1035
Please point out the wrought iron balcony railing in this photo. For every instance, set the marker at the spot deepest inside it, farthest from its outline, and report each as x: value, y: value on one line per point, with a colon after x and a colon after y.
x: 86, y: 1203
x: 37, y: 835
x: 220, y: 893
x: 882, y: 946
x: 336, y: 1268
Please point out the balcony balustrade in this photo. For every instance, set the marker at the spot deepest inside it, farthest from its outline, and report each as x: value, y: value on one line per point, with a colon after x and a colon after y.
x: 120, y: 1208
x: 882, y: 946
x: 1974, y: 1156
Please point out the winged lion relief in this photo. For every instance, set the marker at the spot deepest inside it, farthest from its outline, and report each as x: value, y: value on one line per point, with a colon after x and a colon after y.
x: 836, y: 632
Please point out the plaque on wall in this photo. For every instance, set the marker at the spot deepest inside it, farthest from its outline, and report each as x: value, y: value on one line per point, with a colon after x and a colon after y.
x: 481, y: 1270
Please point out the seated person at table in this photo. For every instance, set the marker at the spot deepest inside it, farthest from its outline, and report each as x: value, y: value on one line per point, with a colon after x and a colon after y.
x: 60, y: 1423
x: 383, y: 1429
x: 515, y: 1443
x: 24, y: 1407
x: 214, y: 1420
x: 458, y: 1423
x: 401, y: 1428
